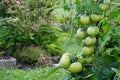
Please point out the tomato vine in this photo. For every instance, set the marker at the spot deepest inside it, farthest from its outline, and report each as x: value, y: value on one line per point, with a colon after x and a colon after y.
x: 95, y: 30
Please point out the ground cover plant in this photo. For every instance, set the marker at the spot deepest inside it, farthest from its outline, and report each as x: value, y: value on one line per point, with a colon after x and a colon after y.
x: 25, y: 24
x: 31, y: 74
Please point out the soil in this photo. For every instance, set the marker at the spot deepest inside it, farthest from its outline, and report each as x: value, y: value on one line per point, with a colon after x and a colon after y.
x: 21, y: 65
x: 46, y: 61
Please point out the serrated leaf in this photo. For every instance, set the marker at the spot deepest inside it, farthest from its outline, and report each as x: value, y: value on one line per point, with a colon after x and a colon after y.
x: 106, y: 38
x: 91, y: 6
x: 78, y: 3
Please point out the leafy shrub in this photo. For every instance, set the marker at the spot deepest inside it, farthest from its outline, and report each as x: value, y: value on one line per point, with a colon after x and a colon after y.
x: 26, y: 24
x: 30, y: 54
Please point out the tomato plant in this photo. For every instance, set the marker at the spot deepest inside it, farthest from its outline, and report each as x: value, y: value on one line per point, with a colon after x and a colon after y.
x: 100, y: 21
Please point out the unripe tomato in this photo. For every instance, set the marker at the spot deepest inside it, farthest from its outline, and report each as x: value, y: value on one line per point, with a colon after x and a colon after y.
x: 106, y: 1
x: 81, y: 59
x: 93, y: 30
x: 75, y: 67
x: 103, y: 6
x: 88, y: 60
x: 85, y: 19
x: 65, y: 61
x: 90, y: 41
x: 96, y: 18
x: 68, y: 54
x: 88, y: 50
x: 80, y: 33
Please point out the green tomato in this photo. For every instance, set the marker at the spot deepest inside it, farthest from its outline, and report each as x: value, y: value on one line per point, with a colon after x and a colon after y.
x: 96, y: 18
x: 88, y: 60
x: 80, y: 33
x: 90, y: 41
x: 87, y: 51
x: 106, y: 1
x: 93, y: 30
x: 85, y: 19
x: 68, y: 54
x: 80, y: 59
x: 103, y: 7
x: 75, y: 67
x: 65, y: 61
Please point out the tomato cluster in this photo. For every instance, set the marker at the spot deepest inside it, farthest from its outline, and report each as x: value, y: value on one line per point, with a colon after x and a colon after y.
x: 66, y: 63
x: 87, y: 33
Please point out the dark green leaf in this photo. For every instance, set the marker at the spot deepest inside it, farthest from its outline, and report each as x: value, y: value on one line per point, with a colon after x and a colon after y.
x: 92, y: 7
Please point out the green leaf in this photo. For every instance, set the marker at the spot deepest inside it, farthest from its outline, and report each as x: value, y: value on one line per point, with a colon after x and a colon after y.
x: 51, y: 71
x: 78, y: 3
x: 88, y: 75
x: 91, y: 6
x: 116, y: 71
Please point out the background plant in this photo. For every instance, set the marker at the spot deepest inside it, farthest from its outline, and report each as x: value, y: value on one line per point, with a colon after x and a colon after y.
x: 26, y: 23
